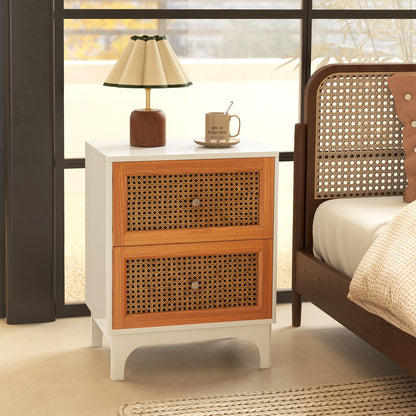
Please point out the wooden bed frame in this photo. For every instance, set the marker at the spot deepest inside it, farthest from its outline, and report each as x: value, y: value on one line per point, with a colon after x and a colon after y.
x: 349, y: 145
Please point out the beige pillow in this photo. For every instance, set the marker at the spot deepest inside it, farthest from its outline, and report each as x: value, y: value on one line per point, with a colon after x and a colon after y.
x: 403, y: 88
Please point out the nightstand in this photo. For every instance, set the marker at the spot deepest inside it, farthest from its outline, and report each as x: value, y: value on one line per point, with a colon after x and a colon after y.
x: 180, y: 245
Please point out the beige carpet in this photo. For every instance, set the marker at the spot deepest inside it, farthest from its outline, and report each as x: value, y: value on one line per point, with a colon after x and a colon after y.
x: 393, y: 395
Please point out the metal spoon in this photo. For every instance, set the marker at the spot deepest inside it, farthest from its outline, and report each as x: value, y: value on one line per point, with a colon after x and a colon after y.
x: 228, y: 108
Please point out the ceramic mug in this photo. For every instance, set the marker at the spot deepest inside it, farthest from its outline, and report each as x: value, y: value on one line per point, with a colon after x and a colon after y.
x: 217, y: 127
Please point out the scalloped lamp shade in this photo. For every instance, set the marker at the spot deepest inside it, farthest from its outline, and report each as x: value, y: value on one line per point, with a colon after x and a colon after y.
x: 148, y: 62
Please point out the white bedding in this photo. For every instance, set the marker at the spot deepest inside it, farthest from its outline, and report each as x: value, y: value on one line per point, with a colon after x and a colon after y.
x: 344, y: 229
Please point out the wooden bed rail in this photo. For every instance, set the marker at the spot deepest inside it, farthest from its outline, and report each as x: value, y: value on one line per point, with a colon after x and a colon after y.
x: 327, y: 288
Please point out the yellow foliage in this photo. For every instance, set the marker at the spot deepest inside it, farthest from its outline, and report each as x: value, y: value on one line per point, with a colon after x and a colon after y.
x: 111, y: 4
x: 90, y: 39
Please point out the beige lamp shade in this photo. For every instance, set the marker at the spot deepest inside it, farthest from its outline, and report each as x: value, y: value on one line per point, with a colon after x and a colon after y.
x: 148, y: 62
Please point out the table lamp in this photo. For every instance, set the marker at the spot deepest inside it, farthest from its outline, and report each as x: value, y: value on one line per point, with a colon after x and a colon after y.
x: 148, y: 62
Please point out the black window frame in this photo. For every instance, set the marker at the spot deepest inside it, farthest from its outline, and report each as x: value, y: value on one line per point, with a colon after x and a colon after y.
x: 61, y: 15
x: 46, y: 281
x: 306, y: 15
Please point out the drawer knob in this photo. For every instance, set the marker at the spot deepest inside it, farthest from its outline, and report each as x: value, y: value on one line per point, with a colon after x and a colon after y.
x: 195, y: 285
x: 196, y: 202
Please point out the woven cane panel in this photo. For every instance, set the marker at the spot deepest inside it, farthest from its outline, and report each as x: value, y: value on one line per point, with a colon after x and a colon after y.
x: 358, y: 138
x: 197, y: 200
x: 191, y: 283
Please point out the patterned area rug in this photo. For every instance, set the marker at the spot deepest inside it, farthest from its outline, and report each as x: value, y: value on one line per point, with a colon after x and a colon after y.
x: 394, y: 395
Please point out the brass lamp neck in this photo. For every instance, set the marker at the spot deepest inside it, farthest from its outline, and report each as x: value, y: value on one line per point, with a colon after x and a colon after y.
x: 147, y: 99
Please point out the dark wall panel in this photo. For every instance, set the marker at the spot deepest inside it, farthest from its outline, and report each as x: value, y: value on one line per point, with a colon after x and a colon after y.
x: 29, y: 165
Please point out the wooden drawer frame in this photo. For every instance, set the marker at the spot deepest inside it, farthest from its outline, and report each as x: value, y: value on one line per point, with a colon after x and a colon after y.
x: 264, y: 228
x: 262, y: 310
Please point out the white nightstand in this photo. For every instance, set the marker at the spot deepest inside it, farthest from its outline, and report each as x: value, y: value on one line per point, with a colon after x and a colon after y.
x: 180, y: 245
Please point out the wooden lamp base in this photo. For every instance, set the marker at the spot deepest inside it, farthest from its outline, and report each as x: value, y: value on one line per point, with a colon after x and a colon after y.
x: 147, y: 128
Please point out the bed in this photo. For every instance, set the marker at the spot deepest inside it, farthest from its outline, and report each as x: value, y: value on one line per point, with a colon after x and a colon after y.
x: 349, y: 148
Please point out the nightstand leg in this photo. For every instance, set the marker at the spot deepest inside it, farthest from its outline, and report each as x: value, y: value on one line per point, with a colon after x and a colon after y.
x: 261, y: 337
x: 121, y: 347
x: 96, y: 334
x: 264, y: 352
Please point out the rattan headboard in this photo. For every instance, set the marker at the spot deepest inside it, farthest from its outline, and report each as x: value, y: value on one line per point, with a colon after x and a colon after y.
x: 357, y: 135
x: 349, y: 143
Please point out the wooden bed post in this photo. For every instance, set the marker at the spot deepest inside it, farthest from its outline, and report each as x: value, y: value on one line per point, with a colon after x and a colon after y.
x: 298, y: 214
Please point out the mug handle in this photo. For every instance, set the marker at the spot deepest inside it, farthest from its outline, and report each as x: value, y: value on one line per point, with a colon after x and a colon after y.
x: 239, y: 125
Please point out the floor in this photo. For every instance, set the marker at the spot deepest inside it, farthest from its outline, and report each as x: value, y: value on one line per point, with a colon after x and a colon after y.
x: 49, y: 369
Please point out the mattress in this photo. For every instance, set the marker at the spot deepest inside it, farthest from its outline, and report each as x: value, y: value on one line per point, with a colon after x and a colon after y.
x: 344, y: 229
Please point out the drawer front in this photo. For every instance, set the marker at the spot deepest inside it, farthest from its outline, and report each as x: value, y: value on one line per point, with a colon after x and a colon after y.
x: 194, y: 283
x: 165, y: 202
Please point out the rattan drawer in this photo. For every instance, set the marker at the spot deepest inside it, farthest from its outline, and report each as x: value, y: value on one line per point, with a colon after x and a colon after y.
x: 191, y: 283
x: 167, y: 202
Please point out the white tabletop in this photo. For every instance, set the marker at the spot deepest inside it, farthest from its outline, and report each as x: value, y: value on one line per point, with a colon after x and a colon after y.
x: 121, y: 151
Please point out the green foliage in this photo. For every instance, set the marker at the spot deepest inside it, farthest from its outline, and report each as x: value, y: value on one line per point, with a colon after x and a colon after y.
x: 366, y: 40
x: 363, y: 4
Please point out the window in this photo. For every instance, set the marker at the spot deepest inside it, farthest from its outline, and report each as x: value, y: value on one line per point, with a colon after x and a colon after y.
x: 183, y: 4
x: 363, y: 41
x: 256, y: 53
x: 364, y: 4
